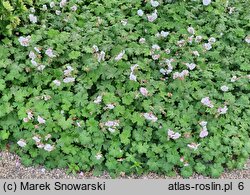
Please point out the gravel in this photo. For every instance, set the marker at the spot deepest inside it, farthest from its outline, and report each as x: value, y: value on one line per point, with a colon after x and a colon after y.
x: 10, y: 168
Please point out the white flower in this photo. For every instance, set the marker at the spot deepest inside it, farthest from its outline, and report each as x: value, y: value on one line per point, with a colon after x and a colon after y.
x: 47, y: 137
x: 156, y: 47
x: 233, y: 79
x: 24, y: 41
x: 48, y: 147
x: 144, y: 91
x: 167, y: 51
x: 150, y: 116
x: 191, y: 66
x: 32, y: 9
x: 140, y: 12
x: 57, y: 82
x: 69, y: 80
x: 207, y: 46
x: 198, y: 39
x: 98, y: 99
x: 164, y: 33
x: 32, y: 55
x: 156, y: 56
x: 203, y: 133
x: 111, y: 124
x: 222, y: 110
x: 132, y: 68
x: 196, y: 53
x: 247, y: 39
x: 36, y: 138
x: 120, y: 55
x: 37, y: 50
x: 41, y: 120
x: 98, y: 156
x: 203, y: 123
x: 74, y: 8
x: 132, y: 77
x: 45, y: 7
x: 63, y: 3
x: 95, y: 48
x: 211, y: 40
x: 21, y: 143
x: 33, y: 18
x: 124, y: 22
x: 110, y: 106
x: 181, y: 43
x: 191, y: 30
x: 40, y: 145
x: 154, y: 3
x: 40, y: 67
x: 49, y: 52
x: 52, y: 4
x: 224, y: 88
x: 206, y: 101
x: 152, y: 17
x: 112, y: 130
x: 142, y: 40
x: 101, y: 56
x: 206, y: 2
x: 58, y: 12
x: 193, y: 146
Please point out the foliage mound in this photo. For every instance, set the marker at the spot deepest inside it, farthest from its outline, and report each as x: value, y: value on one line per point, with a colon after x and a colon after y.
x: 128, y: 86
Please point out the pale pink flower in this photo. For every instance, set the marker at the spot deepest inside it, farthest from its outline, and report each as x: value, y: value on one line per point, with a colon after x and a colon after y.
x: 206, y: 2
x: 154, y: 3
x: 69, y: 80
x: 191, y: 66
x: 101, y: 56
x: 52, y: 4
x: 74, y: 8
x: 152, y: 17
x: 36, y: 138
x: 193, y: 146
x: 41, y: 120
x: 68, y: 71
x: 181, y: 43
x: 224, y: 88
x: 144, y: 91
x: 32, y: 55
x: 49, y: 52
x: 206, y: 101
x: 120, y: 55
x: 142, y: 40
x: 140, y: 12
x: 58, y: 12
x: 124, y: 22
x: 156, y: 47
x: 33, y: 62
x: 182, y: 159
x: 164, y: 34
x: 48, y: 147
x: 132, y: 77
x: 191, y: 30
x: 21, y: 143
x: 132, y: 68
x: 203, y: 133
x: 24, y: 41
x: 196, y: 53
x: 111, y: 124
x: 40, y: 145
x: 40, y: 67
x: 57, y: 82
x: 233, y: 79
x: 30, y: 115
x: 95, y: 48
x: 33, y: 18
x: 173, y: 135
x: 203, y: 123
x: 211, y: 40
x: 110, y: 106
x: 98, y: 99
x: 207, y: 46
x: 63, y: 3
x: 25, y: 120
x: 222, y: 110
x: 150, y: 116
x: 156, y: 56
x: 37, y: 50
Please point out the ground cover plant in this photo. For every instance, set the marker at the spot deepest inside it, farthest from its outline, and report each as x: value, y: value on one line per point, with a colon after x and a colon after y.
x: 127, y: 86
